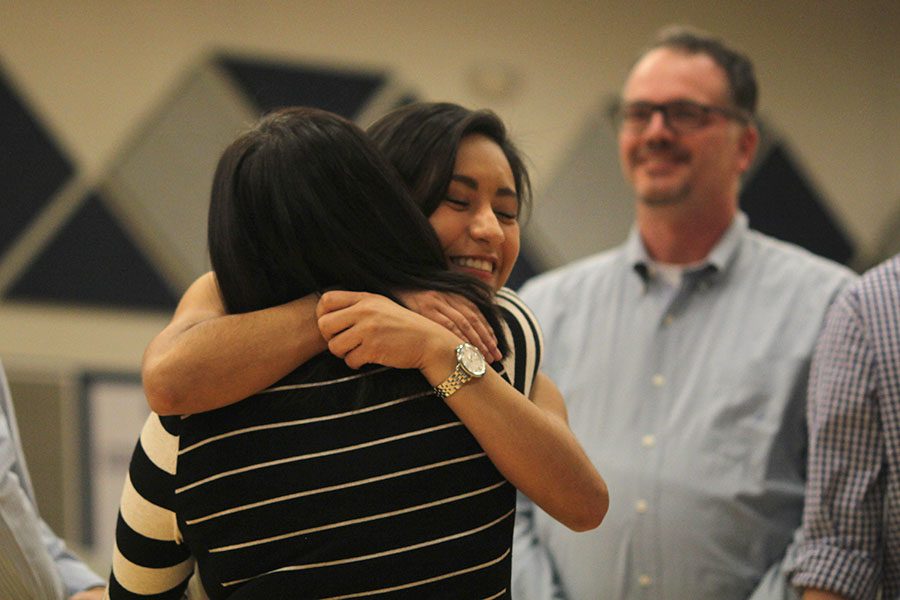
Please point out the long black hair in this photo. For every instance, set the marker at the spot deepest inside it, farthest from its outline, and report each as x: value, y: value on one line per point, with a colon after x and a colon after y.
x: 420, y: 140
x: 304, y: 202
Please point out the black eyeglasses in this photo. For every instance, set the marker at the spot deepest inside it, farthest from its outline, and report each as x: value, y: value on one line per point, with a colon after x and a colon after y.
x: 680, y: 116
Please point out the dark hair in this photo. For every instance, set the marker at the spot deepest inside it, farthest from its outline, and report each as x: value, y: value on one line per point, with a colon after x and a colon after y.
x: 737, y: 66
x: 421, y: 141
x: 303, y: 202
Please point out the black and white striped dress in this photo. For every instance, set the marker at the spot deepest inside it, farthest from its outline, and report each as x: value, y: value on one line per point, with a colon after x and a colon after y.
x: 333, y: 483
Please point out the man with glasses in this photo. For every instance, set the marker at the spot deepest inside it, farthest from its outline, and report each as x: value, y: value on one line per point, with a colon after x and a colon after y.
x: 683, y: 356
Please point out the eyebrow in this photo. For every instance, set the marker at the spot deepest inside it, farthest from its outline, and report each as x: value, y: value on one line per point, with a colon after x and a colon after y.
x: 473, y: 184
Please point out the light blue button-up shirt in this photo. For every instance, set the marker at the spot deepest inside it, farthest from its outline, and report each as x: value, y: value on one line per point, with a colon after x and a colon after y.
x: 690, y: 402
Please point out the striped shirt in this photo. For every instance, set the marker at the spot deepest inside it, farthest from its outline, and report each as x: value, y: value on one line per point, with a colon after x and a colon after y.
x: 852, y: 515
x: 333, y: 483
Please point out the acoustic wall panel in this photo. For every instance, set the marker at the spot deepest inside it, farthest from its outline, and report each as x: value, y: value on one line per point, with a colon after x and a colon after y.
x: 31, y: 165
x: 138, y: 238
x: 159, y: 183
x: 93, y: 261
x: 270, y: 85
x: 781, y: 202
x: 587, y: 206
x: 41, y: 412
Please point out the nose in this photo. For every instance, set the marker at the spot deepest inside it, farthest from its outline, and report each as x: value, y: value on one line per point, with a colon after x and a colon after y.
x: 658, y: 126
x: 485, y: 227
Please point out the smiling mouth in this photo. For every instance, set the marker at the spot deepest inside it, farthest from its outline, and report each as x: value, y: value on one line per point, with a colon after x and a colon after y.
x: 478, y: 264
x: 655, y: 165
x: 671, y: 156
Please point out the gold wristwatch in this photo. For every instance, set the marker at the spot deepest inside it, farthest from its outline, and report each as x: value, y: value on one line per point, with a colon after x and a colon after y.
x: 469, y: 363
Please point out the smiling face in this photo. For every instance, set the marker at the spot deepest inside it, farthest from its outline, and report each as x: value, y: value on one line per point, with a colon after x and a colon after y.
x: 477, y: 222
x: 701, y: 166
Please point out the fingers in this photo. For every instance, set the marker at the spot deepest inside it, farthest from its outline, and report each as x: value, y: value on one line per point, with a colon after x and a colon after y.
x: 357, y: 351
x: 333, y: 323
x: 331, y: 312
x: 355, y: 359
x: 375, y: 322
x: 351, y: 323
x: 337, y: 300
x: 343, y: 344
x: 475, y: 328
x: 457, y: 314
x: 463, y: 326
x: 448, y: 320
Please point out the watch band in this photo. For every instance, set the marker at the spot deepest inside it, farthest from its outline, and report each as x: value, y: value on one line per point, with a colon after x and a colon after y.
x: 455, y: 381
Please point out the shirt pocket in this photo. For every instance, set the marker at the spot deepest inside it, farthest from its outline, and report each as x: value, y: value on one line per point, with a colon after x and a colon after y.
x: 756, y: 417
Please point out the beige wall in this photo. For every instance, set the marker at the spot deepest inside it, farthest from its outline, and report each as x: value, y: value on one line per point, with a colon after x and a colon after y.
x: 94, y: 68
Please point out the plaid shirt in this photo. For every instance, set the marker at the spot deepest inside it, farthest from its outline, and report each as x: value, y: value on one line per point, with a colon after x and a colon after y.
x: 852, y: 513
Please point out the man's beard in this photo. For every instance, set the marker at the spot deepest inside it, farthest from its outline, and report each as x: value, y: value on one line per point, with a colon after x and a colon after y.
x: 665, y: 197
x: 668, y: 196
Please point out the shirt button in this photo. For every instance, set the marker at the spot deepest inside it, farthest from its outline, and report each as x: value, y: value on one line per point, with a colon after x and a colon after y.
x: 658, y: 380
x: 645, y: 580
x: 648, y: 441
x: 641, y: 506
x: 668, y: 320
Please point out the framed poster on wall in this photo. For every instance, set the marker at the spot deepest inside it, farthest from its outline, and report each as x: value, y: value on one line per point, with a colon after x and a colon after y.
x: 113, y: 411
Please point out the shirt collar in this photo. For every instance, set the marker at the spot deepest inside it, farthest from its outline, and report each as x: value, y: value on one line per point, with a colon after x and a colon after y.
x: 718, y: 259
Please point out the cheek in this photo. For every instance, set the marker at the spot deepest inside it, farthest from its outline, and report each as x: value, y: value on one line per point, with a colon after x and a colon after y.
x: 711, y: 165
x: 446, y: 224
x: 512, y: 243
x: 627, y: 147
x: 511, y: 246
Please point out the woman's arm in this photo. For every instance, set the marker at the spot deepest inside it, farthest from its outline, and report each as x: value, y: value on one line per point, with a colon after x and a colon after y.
x: 529, y: 442
x: 206, y: 359
x: 150, y: 559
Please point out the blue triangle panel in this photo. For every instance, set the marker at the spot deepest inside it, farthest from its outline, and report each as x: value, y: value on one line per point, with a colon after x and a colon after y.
x: 31, y: 166
x: 524, y: 269
x: 92, y: 261
x: 780, y: 202
x: 270, y: 85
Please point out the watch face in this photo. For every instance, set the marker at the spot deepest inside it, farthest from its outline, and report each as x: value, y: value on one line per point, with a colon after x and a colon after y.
x: 471, y: 360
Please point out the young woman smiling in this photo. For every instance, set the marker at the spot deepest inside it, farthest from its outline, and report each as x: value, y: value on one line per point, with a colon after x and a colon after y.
x: 469, y: 180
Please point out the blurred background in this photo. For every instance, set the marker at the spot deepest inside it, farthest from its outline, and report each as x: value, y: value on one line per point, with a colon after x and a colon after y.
x: 113, y: 113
